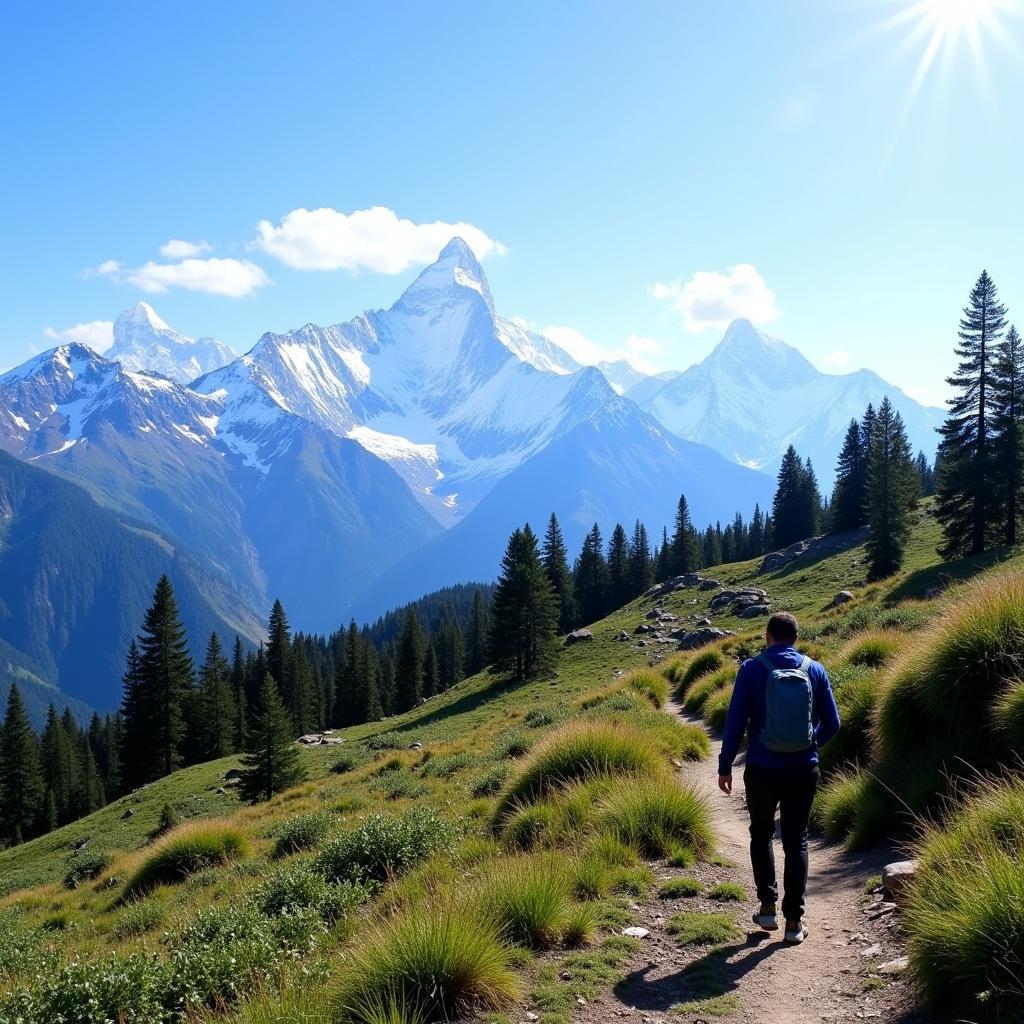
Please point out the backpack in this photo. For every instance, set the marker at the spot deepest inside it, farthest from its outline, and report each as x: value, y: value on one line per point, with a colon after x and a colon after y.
x: 789, y: 708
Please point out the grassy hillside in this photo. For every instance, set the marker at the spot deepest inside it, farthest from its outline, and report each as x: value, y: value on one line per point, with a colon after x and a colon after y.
x: 487, y: 808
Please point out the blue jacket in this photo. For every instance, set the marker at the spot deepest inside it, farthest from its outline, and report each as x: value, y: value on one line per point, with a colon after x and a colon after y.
x: 747, y: 709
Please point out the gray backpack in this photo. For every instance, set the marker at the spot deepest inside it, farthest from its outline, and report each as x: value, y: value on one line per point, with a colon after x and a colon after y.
x: 789, y: 708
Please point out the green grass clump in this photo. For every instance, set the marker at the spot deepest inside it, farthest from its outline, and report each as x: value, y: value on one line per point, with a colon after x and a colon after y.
x: 633, y: 881
x: 692, y: 928
x: 430, y: 963
x: 575, y: 753
x: 649, y: 683
x: 189, y: 848
x: 139, y: 918
x: 702, y: 664
x: 655, y: 815
x: 301, y: 888
x: 964, y: 915
x: 1008, y: 716
x: 446, y: 767
x: 347, y: 761
x: 383, y: 846
x: 393, y: 740
x: 398, y: 784
x: 728, y: 892
x: 491, y: 781
x: 85, y: 866
x: 538, y: 718
x: 531, y: 827
x: 856, y: 692
x: 716, y: 708
x: 528, y: 898
x: 512, y: 744
x: 874, y: 648
x: 591, y: 878
x: 680, y: 888
x: 302, y: 833
x: 852, y: 807
x: 712, y: 1006
x: 709, y: 683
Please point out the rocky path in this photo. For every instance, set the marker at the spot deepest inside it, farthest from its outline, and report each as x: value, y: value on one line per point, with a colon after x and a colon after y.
x: 841, y: 973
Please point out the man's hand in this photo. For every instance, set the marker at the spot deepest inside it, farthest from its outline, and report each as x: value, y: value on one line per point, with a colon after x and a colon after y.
x: 725, y: 784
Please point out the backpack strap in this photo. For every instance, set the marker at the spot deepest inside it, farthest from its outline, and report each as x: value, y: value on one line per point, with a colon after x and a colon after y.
x: 805, y: 664
x: 766, y: 662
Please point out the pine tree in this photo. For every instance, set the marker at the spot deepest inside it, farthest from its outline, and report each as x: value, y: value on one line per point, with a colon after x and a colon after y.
x: 966, y: 488
x: 618, y: 568
x: 278, y: 652
x: 21, y: 777
x: 60, y: 772
x: 789, y: 514
x: 891, y: 491
x: 848, y: 492
x: 756, y: 544
x: 712, y: 546
x: 271, y: 763
x: 476, y: 638
x: 685, y: 550
x: 302, y: 692
x: 135, y: 723
x: 238, y: 689
x: 926, y: 474
x: 664, y: 559
x: 591, y: 578
x: 409, y: 664
x: 1008, y: 431
x: 812, y: 504
x: 556, y: 565
x: 431, y: 672
x: 218, y: 716
x: 641, y: 567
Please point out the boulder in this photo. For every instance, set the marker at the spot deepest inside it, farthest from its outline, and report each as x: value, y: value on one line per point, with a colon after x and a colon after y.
x: 703, y: 622
x: 654, y: 591
x: 636, y: 932
x: 80, y: 844
x: 668, y: 617
x: 841, y: 598
x: 331, y: 741
x: 709, y: 584
x: 754, y: 610
x: 130, y: 813
x: 722, y: 599
x: 578, y: 636
x: 896, y: 877
x: 310, y: 740
x: 232, y: 773
x: 893, y: 967
x: 641, y: 643
x: 623, y: 635
x: 416, y: 745
x: 690, y: 641
x: 643, y: 628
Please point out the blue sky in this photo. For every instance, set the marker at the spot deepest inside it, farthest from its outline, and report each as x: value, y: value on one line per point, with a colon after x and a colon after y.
x: 633, y: 173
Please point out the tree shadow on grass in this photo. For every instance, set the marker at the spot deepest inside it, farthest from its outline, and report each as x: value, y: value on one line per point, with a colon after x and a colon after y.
x: 937, y: 577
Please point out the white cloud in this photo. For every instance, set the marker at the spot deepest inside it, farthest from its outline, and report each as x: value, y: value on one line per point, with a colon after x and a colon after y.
x: 837, y: 360
x: 589, y: 352
x: 97, y: 334
x: 712, y: 300
x: 375, y: 239
x: 231, y: 277
x: 178, y: 249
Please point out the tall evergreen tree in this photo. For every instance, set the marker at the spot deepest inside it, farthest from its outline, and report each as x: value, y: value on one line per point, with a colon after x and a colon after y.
x: 756, y: 544
x: 791, y: 514
x: 591, y: 578
x: 524, y: 615
x: 136, y: 724
x: 238, y: 689
x: 431, y: 672
x: 892, y: 489
x: 618, y: 568
x: 278, y: 653
x: 60, y: 769
x: 556, y: 565
x: 848, y: 510
x: 21, y: 778
x: 271, y: 763
x: 217, y: 720
x: 1008, y: 430
x: 476, y: 638
x: 302, y: 692
x: 641, y: 567
x: 664, y: 559
x: 685, y: 551
x: 966, y: 488
x: 409, y: 663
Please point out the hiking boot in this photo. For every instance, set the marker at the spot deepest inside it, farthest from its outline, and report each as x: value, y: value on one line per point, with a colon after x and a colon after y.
x: 795, y: 932
x: 766, y: 918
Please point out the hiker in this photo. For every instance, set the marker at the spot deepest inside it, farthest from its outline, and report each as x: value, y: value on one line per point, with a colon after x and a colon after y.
x: 786, y: 700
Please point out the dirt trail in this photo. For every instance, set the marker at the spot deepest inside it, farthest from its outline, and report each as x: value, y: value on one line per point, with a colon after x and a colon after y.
x: 825, y: 979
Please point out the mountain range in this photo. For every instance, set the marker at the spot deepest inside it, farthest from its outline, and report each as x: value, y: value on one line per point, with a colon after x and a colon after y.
x: 352, y: 467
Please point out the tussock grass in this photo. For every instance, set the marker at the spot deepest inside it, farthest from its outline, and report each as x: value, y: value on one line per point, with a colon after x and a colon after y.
x: 709, y: 683
x: 704, y: 663
x: 1008, y: 716
x: 531, y: 827
x: 856, y: 692
x: 964, y: 914
x: 654, y: 815
x: 692, y: 928
x: 430, y: 963
x: 873, y: 648
x: 491, y: 781
x: 302, y: 832
x: 727, y: 892
x: 528, y: 899
x: 186, y: 849
x: 852, y: 807
x: 575, y: 753
x: 649, y: 683
x: 716, y: 708
x: 591, y: 878
x: 680, y: 888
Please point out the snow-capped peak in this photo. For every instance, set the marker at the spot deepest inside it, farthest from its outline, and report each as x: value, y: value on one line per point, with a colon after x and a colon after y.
x: 455, y: 269
x: 144, y: 313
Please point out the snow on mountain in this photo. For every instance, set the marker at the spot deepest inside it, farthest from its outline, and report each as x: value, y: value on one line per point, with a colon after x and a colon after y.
x: 755, y: 395
x: 142, y: 341
x: 440, y: 387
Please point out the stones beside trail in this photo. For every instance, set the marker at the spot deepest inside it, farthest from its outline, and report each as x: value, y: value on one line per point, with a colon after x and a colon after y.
x: 578, y: 636
x: 740, y: 602
x: 311, y: 739
x: 623, y: 636
x: 636, y: 933
x: 896, y: 877
x: 893, y: 967
x: 752, y: 611
x: 880, y: 909
x: 841, y: 598
x: 709, y: 585
x: 232, y: 773
x: 690, y: 641
x: 643, y: 628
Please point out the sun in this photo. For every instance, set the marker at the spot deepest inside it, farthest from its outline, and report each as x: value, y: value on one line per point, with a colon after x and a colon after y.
x: 951, y: 17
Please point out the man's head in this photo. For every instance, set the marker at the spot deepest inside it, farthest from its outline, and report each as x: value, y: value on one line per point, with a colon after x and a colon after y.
x: 782, y: 629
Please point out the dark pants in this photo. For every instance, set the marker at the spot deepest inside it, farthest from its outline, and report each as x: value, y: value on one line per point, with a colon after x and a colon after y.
x: 791, y: 790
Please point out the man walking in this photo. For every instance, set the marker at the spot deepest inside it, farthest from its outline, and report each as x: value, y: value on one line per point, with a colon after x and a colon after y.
x: 786, y: 700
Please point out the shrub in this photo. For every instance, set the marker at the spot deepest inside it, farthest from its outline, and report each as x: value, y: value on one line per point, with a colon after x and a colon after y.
x: 84, y: 866
x: 491, y: 781
x: 301, y: 888
x: 398, y: 784
x: 537, y: 718
x: 393, y: 740
x: 382, y: 846
x: 188, y: 848
x: 649, y: 683
x: 703, y: 663
x: 964, y: 914
x: 716, y: 708
x: 430, y: 963
x: 347, y: 761
x: 692, y: 928
x: 679, y: 888
x: 653, y: 815
x: 851, y: 806
x: 139, y: 918
x: 302, y: 833
x: 728, y: 892
x: 704, y: 687
x: 21, y: 946
x: 873, y: 649
x: 446, y: 767
x: 168, y: 819
x: 575, y: 753
x: 514, y: 743
x: 528, y: 899
x: 673, y: 668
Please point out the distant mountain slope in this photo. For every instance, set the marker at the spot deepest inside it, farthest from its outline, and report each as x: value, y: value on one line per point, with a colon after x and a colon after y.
x: 75, y: 581
x: 619, y: 465
x: 754, y: 395
x: 142, y: 341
